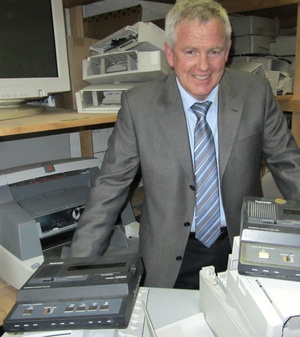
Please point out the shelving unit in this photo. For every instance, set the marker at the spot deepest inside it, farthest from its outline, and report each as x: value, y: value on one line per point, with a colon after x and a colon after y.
x: 54, y: 119
x: 287, y: 11
x: 57, y: 120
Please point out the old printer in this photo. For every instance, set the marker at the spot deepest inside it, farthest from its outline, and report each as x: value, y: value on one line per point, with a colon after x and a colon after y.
x: 40, y: 205
x: 78, y: 293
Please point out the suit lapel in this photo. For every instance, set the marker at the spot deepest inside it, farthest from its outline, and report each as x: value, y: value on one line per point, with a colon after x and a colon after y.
x: 173, y: 123
x: 229, y: 115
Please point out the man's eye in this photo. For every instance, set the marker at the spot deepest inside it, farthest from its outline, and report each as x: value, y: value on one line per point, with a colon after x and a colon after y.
x: 215, y: 52
x: 190, y: 52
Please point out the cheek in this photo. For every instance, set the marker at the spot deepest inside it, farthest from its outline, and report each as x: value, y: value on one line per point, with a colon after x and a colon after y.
x: 183, y: 65
x: 219, y: 65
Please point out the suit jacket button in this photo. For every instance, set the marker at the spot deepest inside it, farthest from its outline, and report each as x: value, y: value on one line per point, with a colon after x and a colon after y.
x: 186, y: 224
x: 179, y: 258
x: 192, y: 187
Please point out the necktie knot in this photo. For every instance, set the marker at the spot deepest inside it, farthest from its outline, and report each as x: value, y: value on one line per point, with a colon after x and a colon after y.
x: 200, y: 109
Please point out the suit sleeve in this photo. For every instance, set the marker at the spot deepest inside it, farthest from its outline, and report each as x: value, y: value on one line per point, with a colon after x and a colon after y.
x: 110, y: 190
x: 281, y: 153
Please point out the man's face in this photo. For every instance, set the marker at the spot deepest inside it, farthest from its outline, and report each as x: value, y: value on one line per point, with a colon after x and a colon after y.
x: 199, y: 56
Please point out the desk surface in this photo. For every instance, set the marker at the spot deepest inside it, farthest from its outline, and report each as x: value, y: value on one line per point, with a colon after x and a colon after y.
x: 53, y: 119
x: 167, y: 306
x: 8, y: 296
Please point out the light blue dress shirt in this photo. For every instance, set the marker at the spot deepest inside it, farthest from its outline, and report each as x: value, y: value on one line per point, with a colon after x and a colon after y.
x: 212, y: 119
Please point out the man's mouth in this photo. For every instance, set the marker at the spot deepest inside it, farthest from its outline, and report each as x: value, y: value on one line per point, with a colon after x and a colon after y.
x: 201, y: 77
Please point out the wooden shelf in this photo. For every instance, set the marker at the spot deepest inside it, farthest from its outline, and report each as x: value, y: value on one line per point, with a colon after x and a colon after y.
x: 289, y: 103
x: 53, y: 119
x: 73, y: 3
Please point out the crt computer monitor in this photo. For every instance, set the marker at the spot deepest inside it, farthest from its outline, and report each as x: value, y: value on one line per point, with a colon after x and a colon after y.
x: 33, y: 54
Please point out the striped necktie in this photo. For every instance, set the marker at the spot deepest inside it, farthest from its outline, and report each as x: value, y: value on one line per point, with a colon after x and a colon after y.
x: 207, y: 215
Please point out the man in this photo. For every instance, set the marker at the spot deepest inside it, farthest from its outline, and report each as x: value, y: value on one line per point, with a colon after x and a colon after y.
x: 155, y: 132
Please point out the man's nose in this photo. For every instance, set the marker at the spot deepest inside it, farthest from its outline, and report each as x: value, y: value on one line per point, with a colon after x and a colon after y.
x: 202, y: 62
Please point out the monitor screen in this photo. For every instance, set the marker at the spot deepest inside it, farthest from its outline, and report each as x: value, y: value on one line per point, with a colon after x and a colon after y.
x: 33, y: 53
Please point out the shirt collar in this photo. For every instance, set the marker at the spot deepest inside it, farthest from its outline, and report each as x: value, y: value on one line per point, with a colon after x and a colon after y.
x: 188, y: 100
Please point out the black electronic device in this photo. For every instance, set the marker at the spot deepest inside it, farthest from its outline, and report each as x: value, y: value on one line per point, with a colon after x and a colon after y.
x: 270, y: 238
x: 78, y: 293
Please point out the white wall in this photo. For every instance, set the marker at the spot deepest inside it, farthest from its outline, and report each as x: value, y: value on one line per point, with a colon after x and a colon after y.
x: 100, y: 138
x: 24, y: 151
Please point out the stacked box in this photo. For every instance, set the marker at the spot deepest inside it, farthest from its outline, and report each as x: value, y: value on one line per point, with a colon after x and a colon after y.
x: 252, y: 35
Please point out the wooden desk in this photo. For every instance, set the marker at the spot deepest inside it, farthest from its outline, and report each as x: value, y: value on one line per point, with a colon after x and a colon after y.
x: 8, y: 296
x: 55, y: 119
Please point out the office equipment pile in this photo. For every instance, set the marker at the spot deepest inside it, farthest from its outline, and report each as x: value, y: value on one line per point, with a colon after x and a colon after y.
x: 132, y: 55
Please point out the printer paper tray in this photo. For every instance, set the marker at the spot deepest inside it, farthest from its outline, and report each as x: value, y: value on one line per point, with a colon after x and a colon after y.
x: 55, y: 201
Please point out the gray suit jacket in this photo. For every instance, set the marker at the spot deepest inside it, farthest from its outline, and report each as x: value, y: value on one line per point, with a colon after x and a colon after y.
x: 151, y: 133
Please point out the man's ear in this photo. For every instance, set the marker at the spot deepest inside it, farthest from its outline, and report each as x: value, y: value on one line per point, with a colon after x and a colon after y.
x: 169, y: 54
x: 228, y: 50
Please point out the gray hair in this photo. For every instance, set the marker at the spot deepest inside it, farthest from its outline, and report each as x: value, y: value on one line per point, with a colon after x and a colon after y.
x: 189, y: 10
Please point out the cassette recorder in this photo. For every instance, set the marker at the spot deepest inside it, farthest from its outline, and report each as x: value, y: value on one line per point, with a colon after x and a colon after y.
x: 270, y: 238
x: 78, y: 293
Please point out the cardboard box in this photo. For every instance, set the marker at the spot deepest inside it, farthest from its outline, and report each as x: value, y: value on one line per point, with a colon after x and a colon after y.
x: 272, y: 47
x: 251, y: 44
x: 285, y: 45
x: 239, y: 59
x: 253, y: 25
